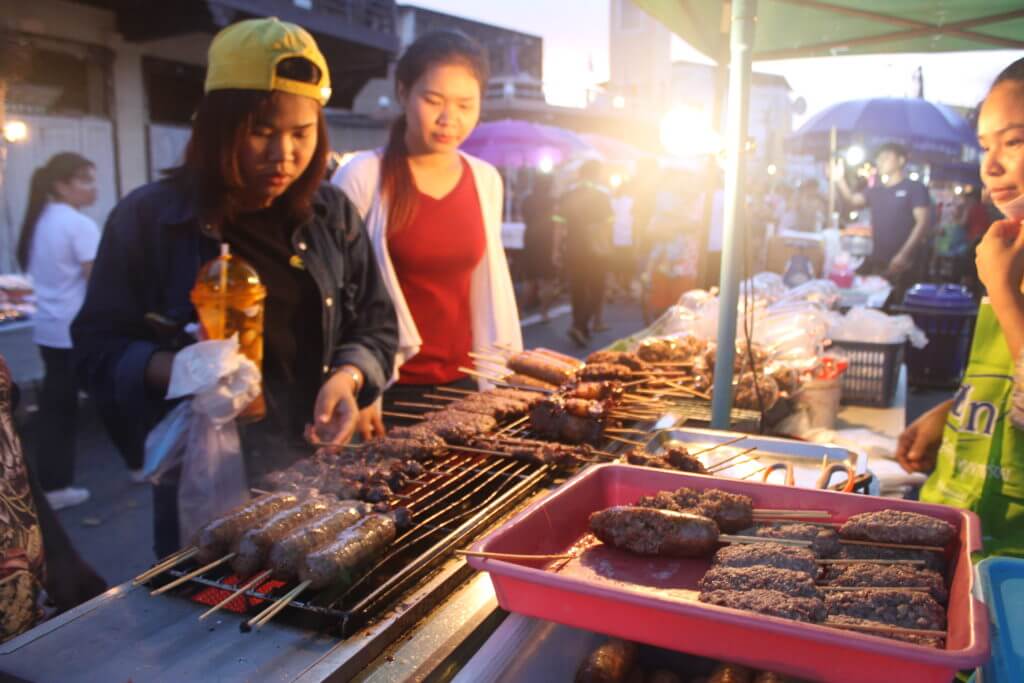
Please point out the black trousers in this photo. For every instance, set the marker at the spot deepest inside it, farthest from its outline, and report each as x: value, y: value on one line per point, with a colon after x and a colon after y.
x: 586, y: 291
x: 57, y: 420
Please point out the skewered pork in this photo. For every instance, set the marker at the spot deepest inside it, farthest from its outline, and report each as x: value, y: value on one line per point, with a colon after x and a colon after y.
x: 906, y: 609
x: 895, y: 526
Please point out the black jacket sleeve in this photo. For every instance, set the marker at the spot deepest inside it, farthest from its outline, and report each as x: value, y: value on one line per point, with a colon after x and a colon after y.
x: 368, y: 338
x: 112, y: 344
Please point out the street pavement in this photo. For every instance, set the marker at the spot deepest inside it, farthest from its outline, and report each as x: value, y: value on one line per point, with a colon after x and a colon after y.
x: 113, y: 530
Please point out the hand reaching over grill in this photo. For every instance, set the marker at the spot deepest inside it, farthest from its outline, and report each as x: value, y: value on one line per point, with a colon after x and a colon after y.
x: 336, y: 413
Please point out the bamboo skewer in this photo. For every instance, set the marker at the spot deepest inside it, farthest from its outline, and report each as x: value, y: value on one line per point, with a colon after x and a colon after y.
x: 512, y: 556
x: 191, y: 575
x: 885, y: 628
x: 626, y: 441
x: 456, y: 390
x: 625, y: 430
x: 913, y: 563
x: 717, y: 467
x: 738, y: 538
x: 497, y: 360
x: 407, y: 416
x: 901, y: 546
x: 888, y: 589
x: 481, y: 375
x: 720, y: 445
x: 414, y: 404
x: 266, y: 615
x: 172, y: 560
x: 251, y: 583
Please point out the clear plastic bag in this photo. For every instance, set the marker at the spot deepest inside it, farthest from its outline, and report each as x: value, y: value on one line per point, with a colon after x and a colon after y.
x: 200, y: 436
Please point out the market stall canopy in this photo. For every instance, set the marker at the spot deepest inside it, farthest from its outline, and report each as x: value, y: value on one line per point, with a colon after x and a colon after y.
x: 789, y: 29
x: 933, y: 133
x: 512, y: 143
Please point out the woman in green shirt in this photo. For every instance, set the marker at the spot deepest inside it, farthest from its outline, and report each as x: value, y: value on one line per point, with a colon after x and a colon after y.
x: 969, y: 444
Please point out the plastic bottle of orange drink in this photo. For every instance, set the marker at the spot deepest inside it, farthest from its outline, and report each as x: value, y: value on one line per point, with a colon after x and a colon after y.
x: 229, y: 299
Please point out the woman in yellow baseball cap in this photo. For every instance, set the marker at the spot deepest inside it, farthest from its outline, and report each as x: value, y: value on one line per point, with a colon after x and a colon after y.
x: 252, y: 177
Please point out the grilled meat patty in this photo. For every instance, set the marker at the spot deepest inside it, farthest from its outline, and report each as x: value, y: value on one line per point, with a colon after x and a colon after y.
x: 768, y: 554
x: 824, y: 540
x: 649, y: 531
x: 786, y: 581
x: 907, y: 609
x: 896, y: 526
x: 768, y: 602
x: 868, y: 575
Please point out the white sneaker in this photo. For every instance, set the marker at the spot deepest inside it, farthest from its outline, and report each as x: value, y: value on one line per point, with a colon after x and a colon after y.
x: 138, y: 476
x: 66, y: 498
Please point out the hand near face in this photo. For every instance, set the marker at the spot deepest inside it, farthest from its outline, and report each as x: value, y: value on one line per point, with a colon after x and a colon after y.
x: 1000, y: 257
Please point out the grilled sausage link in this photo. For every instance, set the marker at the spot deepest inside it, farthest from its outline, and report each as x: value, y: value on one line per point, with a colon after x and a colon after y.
x: 338, y: 562
x: 650, y: 531
x: 540, y: 367
x: 254, y: 545
x: 286, y: 555
x: 610, y: 663
x: 221, y: 534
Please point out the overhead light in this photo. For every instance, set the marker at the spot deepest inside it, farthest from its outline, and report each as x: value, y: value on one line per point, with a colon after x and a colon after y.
x: 619, y: 102
x: 546, y: 164
x: 958, y: 189
x: 854, y: 155
x: 915, y: 176
x: 15, y: 131
x: 615, y: 180
x: 772, y: 169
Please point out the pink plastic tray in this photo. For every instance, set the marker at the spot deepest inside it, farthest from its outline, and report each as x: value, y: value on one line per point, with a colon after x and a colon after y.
x: 654, y: 600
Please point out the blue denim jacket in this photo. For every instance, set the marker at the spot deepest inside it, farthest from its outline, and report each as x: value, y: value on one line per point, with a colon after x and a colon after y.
x: 152, y: 248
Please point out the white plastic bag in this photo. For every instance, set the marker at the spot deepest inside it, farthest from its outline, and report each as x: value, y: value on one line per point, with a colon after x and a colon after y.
x: 200, y: 434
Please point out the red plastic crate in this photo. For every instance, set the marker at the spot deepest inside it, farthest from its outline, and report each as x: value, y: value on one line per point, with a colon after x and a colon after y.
x: 654, y: 600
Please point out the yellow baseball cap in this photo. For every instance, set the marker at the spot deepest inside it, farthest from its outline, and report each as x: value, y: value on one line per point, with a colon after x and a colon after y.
x: 245, y: 55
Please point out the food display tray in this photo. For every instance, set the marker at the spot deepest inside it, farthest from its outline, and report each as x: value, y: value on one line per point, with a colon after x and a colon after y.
x: 654, y: 599
x: 806, y: 457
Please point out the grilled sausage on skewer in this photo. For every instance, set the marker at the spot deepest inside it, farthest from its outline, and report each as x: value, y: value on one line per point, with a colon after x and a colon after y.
x: 649, y: 531
x: 220, y: 535
x: 541, y: 367
x: 338, y: 562
x: 253, y: 546
x: 610, y: 663
x: 288, y: 553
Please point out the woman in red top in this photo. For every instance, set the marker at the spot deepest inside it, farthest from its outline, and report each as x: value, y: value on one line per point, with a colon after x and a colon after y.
x: 434, y: 217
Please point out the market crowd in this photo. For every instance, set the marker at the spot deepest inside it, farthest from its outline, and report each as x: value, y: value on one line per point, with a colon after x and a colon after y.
x: 381, y: 280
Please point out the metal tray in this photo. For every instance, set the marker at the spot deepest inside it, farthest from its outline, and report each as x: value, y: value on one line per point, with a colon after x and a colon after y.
x: 653, y: 600
x: 806, y: 457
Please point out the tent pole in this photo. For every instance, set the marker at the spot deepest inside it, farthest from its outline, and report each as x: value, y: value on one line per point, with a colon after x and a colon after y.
x: 741, y: 44
x: 833, y: 154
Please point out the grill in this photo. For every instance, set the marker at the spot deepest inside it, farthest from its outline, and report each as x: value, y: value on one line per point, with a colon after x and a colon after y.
x: 462, y: 495
x: 459, y: 496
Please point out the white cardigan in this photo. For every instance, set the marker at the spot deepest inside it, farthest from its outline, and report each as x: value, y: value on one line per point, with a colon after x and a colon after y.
x: 494, y: 314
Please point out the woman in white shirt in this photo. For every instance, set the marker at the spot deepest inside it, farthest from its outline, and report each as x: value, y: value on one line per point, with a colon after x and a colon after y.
x: 57, y: 246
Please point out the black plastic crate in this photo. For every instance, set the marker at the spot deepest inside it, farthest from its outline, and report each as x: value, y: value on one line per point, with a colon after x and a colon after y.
x: 873, y: 374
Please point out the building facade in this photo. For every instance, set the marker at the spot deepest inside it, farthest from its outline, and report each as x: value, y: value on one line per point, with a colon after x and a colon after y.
x: 118, y: 81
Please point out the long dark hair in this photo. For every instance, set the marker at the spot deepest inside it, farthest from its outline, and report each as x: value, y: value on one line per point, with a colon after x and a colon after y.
x: 60, y: 168
x: 429, y: 50
x: 219, y: 129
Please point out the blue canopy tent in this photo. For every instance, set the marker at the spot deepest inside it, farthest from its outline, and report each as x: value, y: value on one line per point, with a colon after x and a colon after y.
x: 787, y: 29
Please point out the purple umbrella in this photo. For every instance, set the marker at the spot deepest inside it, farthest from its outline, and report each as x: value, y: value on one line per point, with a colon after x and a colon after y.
x: 514, y: 143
